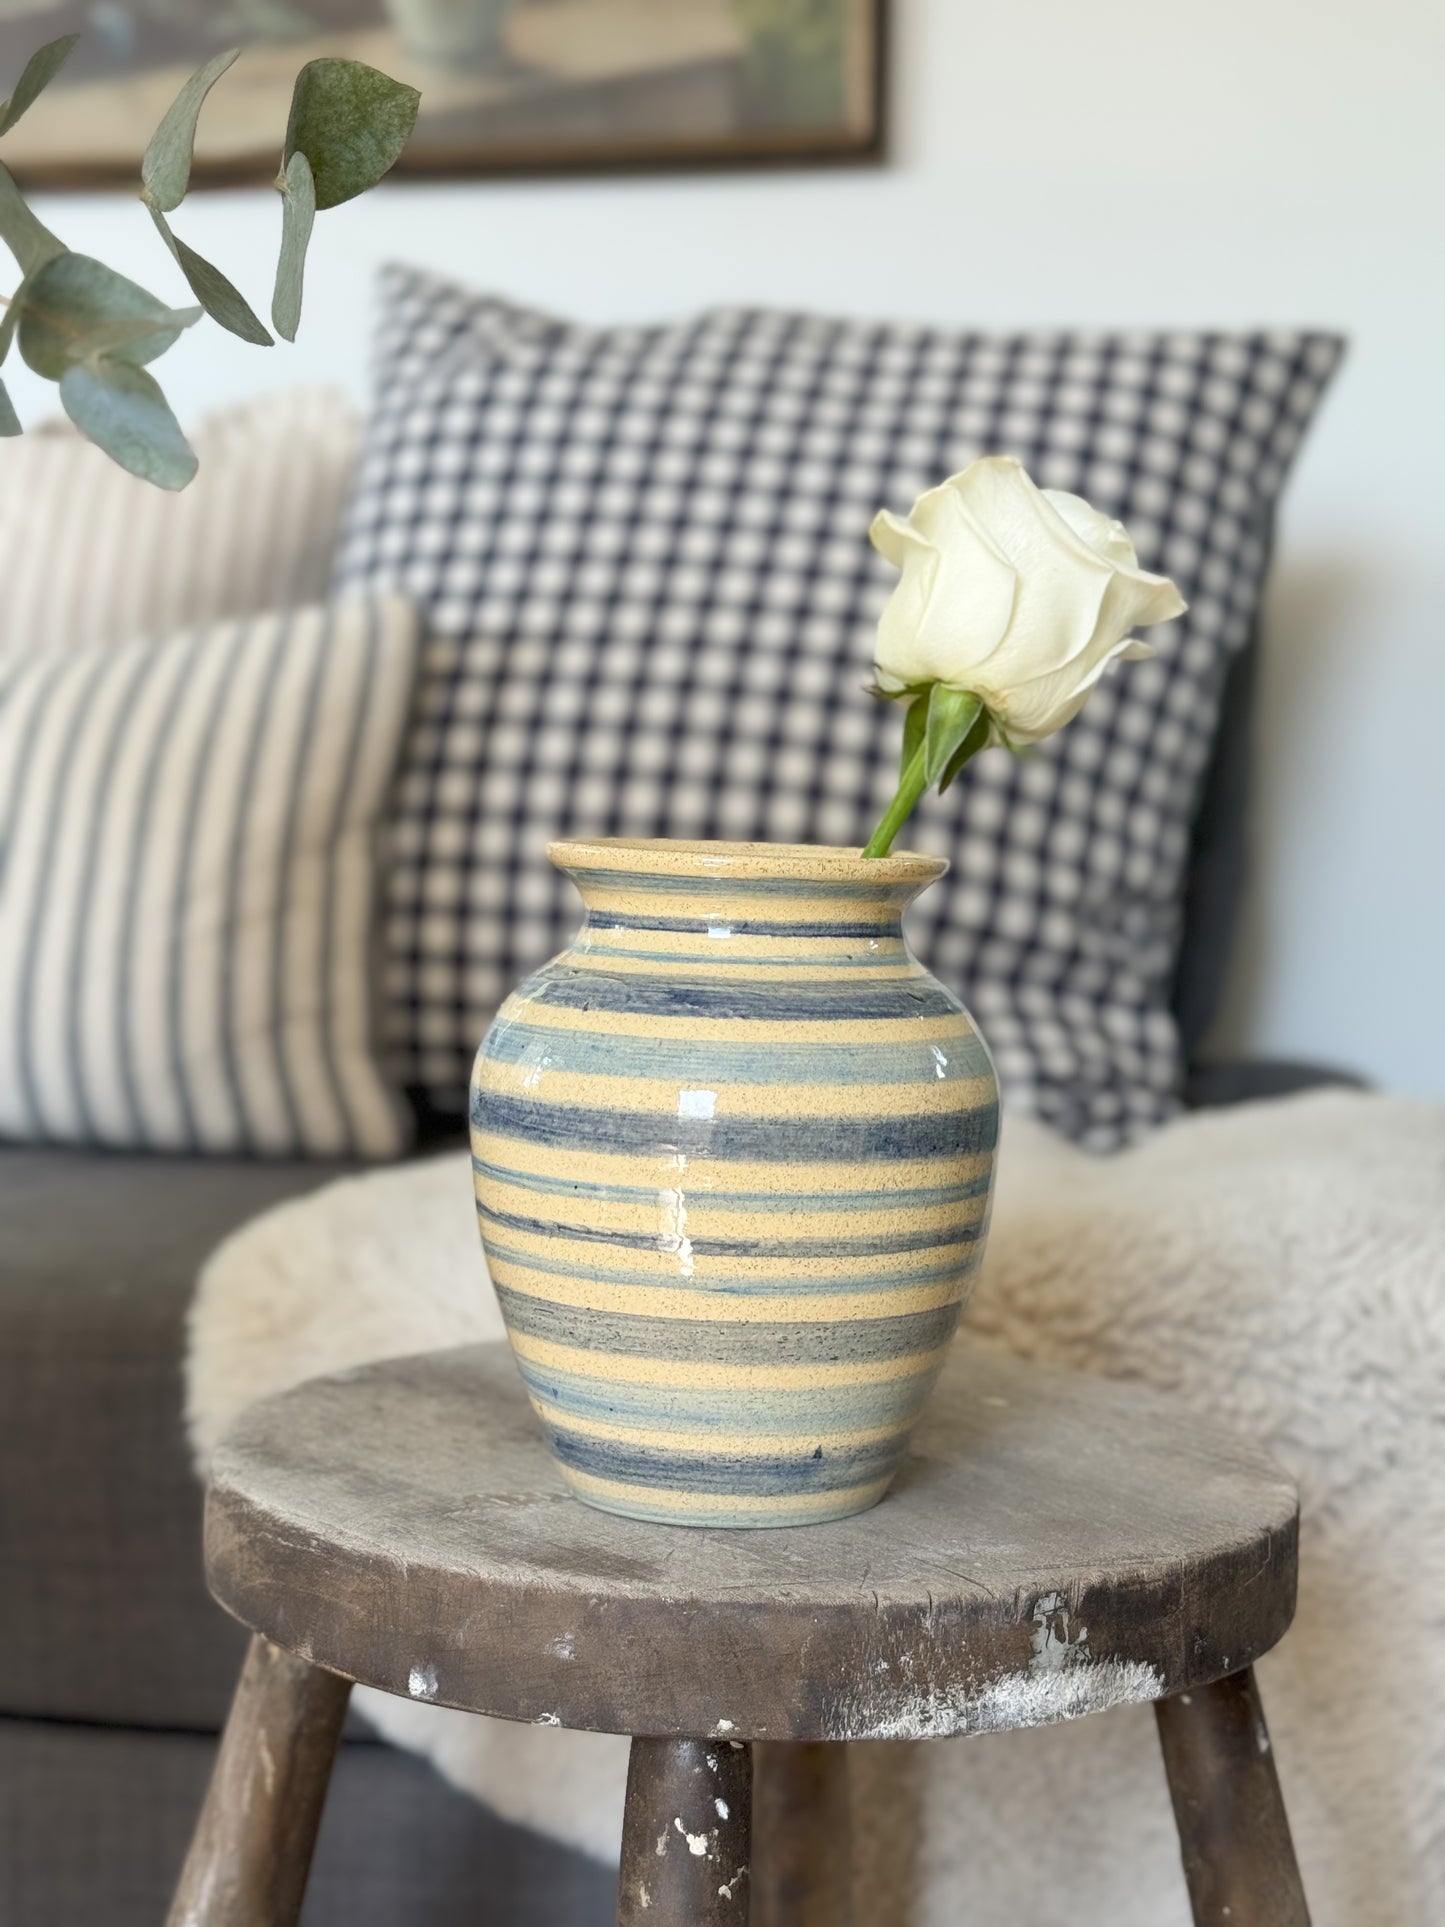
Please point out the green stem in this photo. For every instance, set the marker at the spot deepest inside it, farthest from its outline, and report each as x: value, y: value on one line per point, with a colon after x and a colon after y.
x: 914, y: 783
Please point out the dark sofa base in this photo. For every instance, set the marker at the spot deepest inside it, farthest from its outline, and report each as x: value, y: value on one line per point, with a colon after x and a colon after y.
x: 94, y: 1822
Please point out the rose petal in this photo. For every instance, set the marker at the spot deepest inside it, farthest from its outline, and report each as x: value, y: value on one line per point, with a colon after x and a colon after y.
x: 954, y: 600
x: 1061, y: 582
x: 1103, y: 534
x: 1037, y: 709
x: 1128, y: 601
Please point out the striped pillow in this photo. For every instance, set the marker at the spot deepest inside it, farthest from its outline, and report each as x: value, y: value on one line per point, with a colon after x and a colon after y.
x: 187, y: 886
x: 88, y: 554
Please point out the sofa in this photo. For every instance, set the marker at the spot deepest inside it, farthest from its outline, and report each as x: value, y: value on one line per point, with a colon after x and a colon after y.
x: 115, y: 1667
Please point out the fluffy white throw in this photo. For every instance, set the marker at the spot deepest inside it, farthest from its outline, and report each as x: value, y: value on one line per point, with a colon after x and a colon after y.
x: 1281, y: 1266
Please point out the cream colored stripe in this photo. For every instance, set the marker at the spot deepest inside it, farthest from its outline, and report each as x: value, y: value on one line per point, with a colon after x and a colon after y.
x: 725, y: 1307
x: 618, y: 1368
x: 667, y: 1499
x: 701, y: 905
x: 705, y: 1438
x: 720, y: 969
x: 708, y: 1175
x: 739, y: 944
x: 930, y: 1097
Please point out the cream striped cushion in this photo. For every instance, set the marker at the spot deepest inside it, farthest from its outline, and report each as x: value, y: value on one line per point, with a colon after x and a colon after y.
x: 89, y: 554
x: 187, y: 886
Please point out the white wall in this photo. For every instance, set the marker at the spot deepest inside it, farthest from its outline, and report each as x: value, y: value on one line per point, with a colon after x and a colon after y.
x: 1253, y: 161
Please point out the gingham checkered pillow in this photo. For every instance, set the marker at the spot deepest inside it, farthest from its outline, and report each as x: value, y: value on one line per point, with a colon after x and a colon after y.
x: 642, y: 556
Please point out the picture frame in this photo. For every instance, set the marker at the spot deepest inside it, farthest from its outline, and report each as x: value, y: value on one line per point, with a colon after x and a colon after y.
x: 508, y: 86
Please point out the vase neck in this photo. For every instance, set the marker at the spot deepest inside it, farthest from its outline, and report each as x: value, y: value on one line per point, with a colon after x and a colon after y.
x: 727, y: 904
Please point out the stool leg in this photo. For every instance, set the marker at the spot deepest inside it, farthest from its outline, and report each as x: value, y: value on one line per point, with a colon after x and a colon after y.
x: 251, y: 1850
x: 686, y: 1834
x: 802, y: 1862
x: 1239, y: 1860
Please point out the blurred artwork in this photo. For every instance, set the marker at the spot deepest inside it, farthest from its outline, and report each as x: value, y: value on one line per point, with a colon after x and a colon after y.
x: 505, y: 84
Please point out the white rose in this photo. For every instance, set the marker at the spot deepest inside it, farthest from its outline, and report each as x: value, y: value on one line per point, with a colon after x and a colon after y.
x: 1019, y: 595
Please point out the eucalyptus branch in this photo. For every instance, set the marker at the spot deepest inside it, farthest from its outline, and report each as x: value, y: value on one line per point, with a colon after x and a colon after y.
x: 92, y: 331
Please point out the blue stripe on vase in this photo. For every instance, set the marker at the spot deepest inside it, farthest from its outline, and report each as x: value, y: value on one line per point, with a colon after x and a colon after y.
x: 734, y: 1284
x: 829, y: 960
x: 727, y: 1341
x: 695, y: 1062
x: 774, y: 1140
x: 829, y: 1245
x: 646, y: 996
x: 839, y: 928
x: 817, y: 1470
x: 914, y: 1197
x: 785, y: 1410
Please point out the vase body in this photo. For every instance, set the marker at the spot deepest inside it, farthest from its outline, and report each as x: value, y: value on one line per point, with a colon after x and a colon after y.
x: 733, y: 1153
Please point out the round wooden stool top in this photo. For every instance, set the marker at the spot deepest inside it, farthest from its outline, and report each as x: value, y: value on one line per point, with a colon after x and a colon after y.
x: 1055, y: 1545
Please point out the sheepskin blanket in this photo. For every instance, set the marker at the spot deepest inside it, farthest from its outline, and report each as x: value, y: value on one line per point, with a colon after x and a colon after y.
x: 1280, y: 1266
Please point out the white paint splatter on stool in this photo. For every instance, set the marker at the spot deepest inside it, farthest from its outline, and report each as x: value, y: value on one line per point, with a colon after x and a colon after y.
x: 421, y: 1681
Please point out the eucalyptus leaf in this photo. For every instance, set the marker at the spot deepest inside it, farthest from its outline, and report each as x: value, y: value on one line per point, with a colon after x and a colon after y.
x: 976, y: 739
x: 114, y: 337
x: 72, y: 297
x: 914, y: 720
x: 351, y: 123
x: 40, y: 70
x: 166, y: 169
x: 10, y: 319
x: 298, y: 214
x: 220, y: 298
x: 28, y: 240
x: 952, y: 713
x: 122, y: 410
x: 9, y: 420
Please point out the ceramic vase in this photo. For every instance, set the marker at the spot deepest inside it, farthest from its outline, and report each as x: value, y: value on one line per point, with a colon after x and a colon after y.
x: 733, y: 1152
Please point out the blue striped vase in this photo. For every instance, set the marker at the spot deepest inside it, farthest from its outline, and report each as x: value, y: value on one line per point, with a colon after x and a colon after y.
x: 733, y: 1154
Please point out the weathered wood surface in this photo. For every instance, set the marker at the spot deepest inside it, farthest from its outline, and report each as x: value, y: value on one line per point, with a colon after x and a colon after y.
x: 686, y: 1835
x: 251, y: 1850
x: 802, y: 1846
x: 1239, y: 1860
x: 1054, y: 1545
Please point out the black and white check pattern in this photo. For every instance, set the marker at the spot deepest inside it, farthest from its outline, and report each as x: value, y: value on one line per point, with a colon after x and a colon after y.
x: 643, y: 562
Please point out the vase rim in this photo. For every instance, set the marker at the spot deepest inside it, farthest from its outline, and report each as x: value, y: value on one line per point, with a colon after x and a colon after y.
x: 668, y: 856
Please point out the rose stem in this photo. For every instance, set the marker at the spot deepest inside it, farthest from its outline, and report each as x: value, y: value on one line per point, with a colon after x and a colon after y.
x: 914, y: 783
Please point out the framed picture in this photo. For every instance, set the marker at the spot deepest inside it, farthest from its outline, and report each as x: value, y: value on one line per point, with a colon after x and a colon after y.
x: 506, y: 85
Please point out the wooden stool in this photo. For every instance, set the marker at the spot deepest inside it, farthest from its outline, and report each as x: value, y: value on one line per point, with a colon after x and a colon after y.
x: 1055, y: 1545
